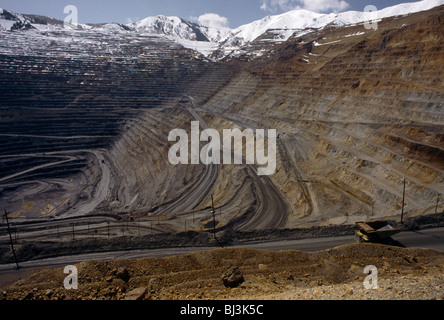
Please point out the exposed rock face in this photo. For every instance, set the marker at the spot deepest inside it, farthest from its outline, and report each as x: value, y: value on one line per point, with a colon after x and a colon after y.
x: 356, y: 115
x: 356, y: 110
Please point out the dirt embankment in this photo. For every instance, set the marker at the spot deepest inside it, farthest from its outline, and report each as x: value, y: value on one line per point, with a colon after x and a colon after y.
x: 330, y: 274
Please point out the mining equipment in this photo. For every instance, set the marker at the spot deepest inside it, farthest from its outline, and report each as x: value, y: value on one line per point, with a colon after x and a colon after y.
x: 379, y: 231
x: 375, y: 231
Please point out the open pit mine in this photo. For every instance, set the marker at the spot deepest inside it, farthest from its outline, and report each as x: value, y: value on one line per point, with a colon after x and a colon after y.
x: 85, y: 117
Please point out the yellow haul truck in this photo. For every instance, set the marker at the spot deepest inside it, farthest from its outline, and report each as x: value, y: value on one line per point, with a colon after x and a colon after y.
x: 375, y: 231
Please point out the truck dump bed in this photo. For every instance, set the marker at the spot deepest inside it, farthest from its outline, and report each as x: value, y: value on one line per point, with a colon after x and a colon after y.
x: 375, y: 231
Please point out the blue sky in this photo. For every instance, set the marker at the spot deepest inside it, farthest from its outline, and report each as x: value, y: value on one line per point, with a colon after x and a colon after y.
x: 231, y: 13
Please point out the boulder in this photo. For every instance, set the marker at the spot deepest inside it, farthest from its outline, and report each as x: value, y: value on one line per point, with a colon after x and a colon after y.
x: 233, y: 278
x: 136, y: 294
x: 123, y: 274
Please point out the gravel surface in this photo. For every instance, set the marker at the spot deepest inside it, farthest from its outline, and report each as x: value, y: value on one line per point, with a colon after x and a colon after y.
x: 391, y: 287
x: 403, y: 273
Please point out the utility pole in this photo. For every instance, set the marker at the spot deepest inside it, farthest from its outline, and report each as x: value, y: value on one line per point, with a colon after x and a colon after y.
x: 214, y: 218
x: 10, y: 239
x: 403, y: 201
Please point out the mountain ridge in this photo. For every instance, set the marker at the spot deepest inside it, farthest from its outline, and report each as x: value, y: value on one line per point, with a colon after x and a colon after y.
x: 194, y: 36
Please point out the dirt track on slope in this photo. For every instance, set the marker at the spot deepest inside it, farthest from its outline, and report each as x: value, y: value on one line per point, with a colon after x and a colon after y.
x: 330, y: 274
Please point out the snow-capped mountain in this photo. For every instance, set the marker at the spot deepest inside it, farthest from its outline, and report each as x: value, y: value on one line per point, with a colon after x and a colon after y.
x: 225, y: 41
x: 189, y: 34
x: 13, y: 21
x: 303, y: 19
x: 177, y: 27
x: 171, y: 26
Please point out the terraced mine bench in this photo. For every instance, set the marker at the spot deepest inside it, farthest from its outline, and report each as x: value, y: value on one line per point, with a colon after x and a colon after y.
x: 63, y: 104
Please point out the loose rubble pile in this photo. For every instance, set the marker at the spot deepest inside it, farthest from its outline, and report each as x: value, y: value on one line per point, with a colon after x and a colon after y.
x: 224, y: 274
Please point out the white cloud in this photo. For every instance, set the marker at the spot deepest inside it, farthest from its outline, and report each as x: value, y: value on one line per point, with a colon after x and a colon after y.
x: 278, y: 5
x: 131, y: 20
x: 325, y: 5
x: 312, y: 5
x: 213, y: 20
